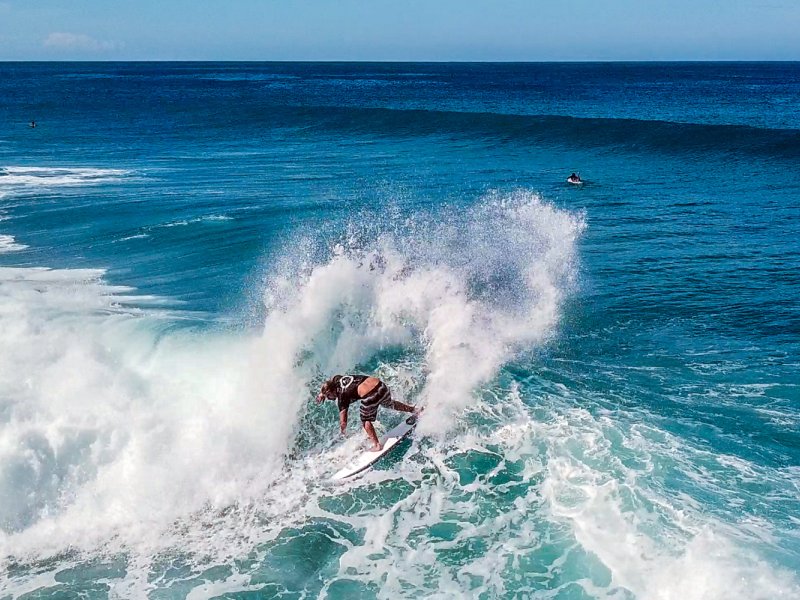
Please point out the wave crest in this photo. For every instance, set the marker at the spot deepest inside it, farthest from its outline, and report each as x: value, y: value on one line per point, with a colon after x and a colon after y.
x: 456, y: 292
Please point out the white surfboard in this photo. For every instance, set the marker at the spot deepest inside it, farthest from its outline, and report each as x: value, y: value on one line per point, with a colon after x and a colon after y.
x: 366, y: 459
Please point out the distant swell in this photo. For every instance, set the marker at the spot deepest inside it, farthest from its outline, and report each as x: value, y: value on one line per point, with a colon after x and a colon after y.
x: 623, y: 134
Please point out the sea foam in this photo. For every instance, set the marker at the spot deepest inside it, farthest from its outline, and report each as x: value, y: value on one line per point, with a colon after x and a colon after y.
x: 126, y: 427
x: 15, y: 177
x: 9, y: 244
x: 126, y: 436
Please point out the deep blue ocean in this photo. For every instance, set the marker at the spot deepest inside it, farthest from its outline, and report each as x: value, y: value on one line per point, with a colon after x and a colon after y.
x: 611, y: 371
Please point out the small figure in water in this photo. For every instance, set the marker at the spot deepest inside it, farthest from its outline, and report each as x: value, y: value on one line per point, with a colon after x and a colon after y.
x: 371, y: 391
x: 32, y: 124
x: 574, y: 178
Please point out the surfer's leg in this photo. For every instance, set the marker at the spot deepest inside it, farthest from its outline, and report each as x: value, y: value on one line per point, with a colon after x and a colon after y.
x: 396, y: 405
x: 371, y: 402
x: 369, y: 412
x: 370, y: 429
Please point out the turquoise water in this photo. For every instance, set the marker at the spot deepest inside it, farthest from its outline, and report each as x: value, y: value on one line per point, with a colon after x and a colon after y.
x: 611, y: 372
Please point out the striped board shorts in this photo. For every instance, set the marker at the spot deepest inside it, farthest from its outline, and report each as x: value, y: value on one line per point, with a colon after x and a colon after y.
x: 370, y: 403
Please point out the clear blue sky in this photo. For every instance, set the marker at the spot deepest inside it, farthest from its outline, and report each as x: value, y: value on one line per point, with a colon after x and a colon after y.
x: 400, y: 30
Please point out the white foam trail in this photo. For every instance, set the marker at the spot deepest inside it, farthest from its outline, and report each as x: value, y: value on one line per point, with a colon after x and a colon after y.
x: 203, y: 219
x: 136, y: 236
x: 656, y: 546
x: 15, y: 178
x: 560, y: 498
x: 9, y: 244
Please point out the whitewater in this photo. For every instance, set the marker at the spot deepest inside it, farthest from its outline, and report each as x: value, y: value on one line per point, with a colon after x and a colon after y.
x: 609, y: 374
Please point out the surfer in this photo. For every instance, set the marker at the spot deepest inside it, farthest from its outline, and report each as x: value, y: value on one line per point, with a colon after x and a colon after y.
x: 32, y: 124
x: 574, y: 178
x: 370, y: 391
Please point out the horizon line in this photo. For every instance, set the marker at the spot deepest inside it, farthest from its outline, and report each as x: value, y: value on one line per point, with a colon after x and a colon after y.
x: 335, y: 61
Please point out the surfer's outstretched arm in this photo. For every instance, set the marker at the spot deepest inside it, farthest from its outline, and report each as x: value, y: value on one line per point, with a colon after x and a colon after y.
x: 343, y: 420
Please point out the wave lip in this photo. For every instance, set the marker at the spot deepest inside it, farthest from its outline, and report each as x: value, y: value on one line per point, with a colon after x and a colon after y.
x: 461, y: 290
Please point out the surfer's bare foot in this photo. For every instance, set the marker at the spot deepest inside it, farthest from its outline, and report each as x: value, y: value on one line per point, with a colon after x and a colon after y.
x: 375, y: 448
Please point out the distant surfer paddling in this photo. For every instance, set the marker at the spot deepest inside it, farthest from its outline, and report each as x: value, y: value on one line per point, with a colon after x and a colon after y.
x: 574, y: 179
x: 370, y: 391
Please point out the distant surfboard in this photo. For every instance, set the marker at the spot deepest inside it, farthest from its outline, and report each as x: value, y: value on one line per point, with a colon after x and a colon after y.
x: 366, y: 459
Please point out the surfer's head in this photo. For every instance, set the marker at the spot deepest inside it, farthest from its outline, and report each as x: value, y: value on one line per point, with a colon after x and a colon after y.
x: 328, y: 389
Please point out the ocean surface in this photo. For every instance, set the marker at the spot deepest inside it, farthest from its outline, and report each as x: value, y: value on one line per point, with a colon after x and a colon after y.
x: 611, y: 372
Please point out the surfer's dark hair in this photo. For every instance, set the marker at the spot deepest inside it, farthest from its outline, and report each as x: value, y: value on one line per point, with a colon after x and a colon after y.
x: 329, y: 387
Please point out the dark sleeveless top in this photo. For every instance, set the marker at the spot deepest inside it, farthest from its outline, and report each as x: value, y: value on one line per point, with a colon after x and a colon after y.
x: 347, y: 390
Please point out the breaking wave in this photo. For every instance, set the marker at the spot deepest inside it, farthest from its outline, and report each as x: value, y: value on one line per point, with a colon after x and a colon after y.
x: 188, y: 460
